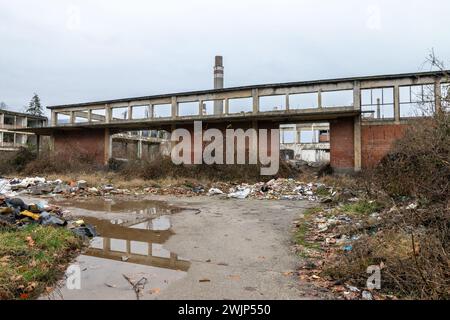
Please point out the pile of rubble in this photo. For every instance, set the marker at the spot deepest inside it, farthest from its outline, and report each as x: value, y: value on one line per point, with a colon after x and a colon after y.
x: 40, y: 186
x: 15, y: 212
x: 278, y: 189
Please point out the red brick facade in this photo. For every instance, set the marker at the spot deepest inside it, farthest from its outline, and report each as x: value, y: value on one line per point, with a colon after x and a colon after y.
x: 377, y: 140
x: 89, y: 142
x: 342, y: 154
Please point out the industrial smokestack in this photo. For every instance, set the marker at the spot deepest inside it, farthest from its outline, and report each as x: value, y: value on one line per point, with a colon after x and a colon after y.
x: 218, y: 83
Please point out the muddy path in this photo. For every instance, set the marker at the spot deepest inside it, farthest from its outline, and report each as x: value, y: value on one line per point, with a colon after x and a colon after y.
x: 188, y: 248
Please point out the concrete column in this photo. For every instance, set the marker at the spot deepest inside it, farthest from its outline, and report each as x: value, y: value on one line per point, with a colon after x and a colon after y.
x: 438, y: 95
x: 130, y: 111
x: 15, y: 122
x: 174, y: 108
x: 357, y: 95
x: 1, y: 138
x: 89, y: 117
x: 287, y: 102
x: 255, y: 95
x: 397, y: 104
x: 357, y: 143
x: 227, y: 106
x: 200, y: 108
x: 72, y: 117
x: 150, y: 249
x: 2, y: 120
x: 319, y: 98
x: 54, y: 118
x: 108, y: 113
x: 108, y: 146
x: 151, y: 111
x: 378, y: 108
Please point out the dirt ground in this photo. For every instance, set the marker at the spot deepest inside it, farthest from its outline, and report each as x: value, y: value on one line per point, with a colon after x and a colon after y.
x: 241, y: 246
x: 237, y: 249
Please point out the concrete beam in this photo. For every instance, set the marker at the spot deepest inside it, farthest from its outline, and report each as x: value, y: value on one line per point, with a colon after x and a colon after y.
x: 397, y: 104
x: 357, y: 144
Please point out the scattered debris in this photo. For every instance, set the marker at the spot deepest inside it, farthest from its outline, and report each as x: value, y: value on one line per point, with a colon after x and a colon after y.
x: 137, y: 286
x: 14, y: 211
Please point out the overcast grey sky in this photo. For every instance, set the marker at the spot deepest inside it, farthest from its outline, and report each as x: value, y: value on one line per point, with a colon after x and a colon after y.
x: 75, y: 51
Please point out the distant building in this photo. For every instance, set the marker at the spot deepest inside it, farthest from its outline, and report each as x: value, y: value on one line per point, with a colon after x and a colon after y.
x: 13, y: 140
x: 309, y: 142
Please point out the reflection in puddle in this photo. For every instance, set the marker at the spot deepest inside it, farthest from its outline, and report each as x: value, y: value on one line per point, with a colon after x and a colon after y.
x: 145, y: 207
x: 138, y: 243
x: 132, y: 244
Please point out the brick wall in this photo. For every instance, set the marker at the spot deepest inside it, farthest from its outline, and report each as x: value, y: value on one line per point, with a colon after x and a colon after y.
x: 377, y: 140
x: 342, y: 154
x: 86, y: 141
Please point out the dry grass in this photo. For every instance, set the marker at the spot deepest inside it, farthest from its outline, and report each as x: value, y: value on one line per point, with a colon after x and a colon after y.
x: 413, y: 245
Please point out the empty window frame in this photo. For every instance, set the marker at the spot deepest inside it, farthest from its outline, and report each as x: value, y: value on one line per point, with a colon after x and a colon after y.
x: 309, y: 136
x: 81, y: 116
x: 272, y: 103
x: 141, y: 112
x: 9, y: 120
x: 98, y: 115
x: 303, y: 100
x: 63, y: 118
x: 119, y: 114
x: 377, y: 103
x: 288, y: 136
x: 445, y: 96
x: 188, y: 108
x: 162, y: 110
x: 340, y: 98
x: 416, y: 100
x: 211, y: 107
x: 240, y: 105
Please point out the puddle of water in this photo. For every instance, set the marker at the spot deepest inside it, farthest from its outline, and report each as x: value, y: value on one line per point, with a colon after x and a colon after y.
x: 111, y: 205
x: 131, y: 245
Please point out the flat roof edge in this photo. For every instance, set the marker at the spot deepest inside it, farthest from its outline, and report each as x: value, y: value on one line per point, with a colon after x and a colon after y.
x: 259, y: 86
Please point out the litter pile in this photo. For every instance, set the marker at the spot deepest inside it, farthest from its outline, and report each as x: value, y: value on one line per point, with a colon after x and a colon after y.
x: 15, y: 212
x: 278, y: 189
x: 325, y: 234
x: 40, y: 186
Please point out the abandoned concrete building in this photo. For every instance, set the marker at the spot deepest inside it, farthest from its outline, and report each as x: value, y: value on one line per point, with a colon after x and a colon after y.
x: 12, y: 140
x: 309, y: 142
x: 350, y: 122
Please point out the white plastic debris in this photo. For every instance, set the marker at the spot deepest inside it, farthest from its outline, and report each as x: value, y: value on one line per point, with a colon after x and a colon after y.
x: 412, y: 206
x: 366, y: 295
x: 240, y: 194
x: 214, y: 191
